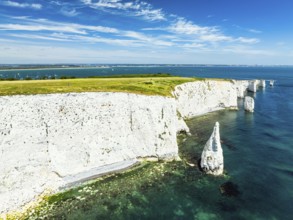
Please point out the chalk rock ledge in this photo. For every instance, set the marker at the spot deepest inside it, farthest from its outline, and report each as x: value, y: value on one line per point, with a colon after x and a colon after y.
x: 212, y: 161
x: 249, y: 104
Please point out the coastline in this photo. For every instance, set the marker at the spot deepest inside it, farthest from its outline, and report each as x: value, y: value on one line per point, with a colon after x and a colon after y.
x: 75, y: 180
x: 212, y: 101
x: 52, y: 68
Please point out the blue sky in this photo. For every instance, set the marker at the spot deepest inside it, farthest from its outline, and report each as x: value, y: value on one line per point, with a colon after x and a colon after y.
x: 147, y: 31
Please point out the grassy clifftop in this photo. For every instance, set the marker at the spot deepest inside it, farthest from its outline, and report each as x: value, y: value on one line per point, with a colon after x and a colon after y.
x: 147, y: 85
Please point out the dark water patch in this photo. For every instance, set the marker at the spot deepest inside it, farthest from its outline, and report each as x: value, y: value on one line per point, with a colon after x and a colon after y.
x: 242, y: 129
x: 229, y: 189
x: 228, y: 144
x: 199, y: 166
x: 271, y: 136
x: 283, y: 169
x: 228, y: 205
x: 286, y: 172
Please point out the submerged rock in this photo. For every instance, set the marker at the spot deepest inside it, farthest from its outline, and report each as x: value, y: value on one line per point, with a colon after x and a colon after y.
x: 249, y: 104
x: 228, y: 144
x: 229, y: 189
x: 212, y: 161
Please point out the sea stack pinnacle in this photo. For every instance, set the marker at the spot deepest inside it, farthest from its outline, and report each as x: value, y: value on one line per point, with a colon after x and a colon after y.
x: 249, y: 104
x: 212, y: 161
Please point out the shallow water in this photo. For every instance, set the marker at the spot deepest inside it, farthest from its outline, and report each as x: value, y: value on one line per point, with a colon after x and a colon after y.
x: 177, y: 191
x: 258, y: 152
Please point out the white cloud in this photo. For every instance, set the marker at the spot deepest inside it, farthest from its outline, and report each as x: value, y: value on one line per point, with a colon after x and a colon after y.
x: 46, y: 25
x: 247, y: 40
x: 19, y: 17
x: 251, y: 30
x: 38, y: 37
x: 146, y: 39
x: 177, y: 34
x: 21, y: 5
x: 152, y: 15
x: 193, y: 45
x: 81, y: 33
x: 7, y: 40
x: 57, y: 3
x: 21, y: 27
x: 17, y: 53
x: 69, y: 13
x: 97, y: 39
x: 95, y: 28
x: 240, y: 49
x: 77, y: 38
x: 255, y: 31
x: 218, y: 37
x: 185, y: 30
x: 67, y: 8
x: 114, y: 4
x: 182, y: 26
x: 130, y: 8
x: 131, y: 39
x: 215, y: 38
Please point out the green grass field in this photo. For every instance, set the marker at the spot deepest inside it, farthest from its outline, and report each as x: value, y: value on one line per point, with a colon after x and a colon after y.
x: 140, y: 85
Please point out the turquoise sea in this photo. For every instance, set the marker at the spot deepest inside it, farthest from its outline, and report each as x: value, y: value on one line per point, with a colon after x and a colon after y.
x: 258, y: 153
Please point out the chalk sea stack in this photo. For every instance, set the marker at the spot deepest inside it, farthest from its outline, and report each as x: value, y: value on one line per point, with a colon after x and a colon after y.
x: 249, y: 104
x: 252, y: 87
x: 212, y: 161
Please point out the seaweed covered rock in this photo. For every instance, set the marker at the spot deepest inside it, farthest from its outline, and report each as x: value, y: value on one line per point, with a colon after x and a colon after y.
x: 212, y: 161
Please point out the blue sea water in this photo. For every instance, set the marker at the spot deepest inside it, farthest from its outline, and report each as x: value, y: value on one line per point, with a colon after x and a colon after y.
x: 258, y: 148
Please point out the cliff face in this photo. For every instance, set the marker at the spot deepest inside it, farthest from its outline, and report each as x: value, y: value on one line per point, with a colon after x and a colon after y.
x: 241, y: 87
x: 50, y: 141
x: 205, y: 96
x: 47, y: 139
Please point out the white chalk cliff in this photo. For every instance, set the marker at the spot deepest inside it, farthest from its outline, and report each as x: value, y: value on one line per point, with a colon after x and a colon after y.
x: 47, y: 140
x: 253, y: 85
x: 212, y: 161
x: 249, y: 104
x: 241, y: 87
x: 197, y: 98
x: 262, y: 83
x: 51, y: 141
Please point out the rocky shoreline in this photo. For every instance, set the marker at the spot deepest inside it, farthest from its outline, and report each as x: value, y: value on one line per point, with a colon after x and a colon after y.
x: 48, y: 142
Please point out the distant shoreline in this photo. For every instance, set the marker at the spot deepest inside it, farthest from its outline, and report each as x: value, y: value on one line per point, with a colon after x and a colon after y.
x: 54, y: 68
x: 107, y: 66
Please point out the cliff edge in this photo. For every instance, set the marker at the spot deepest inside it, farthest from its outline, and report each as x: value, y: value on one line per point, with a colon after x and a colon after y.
x: 51, y: 141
